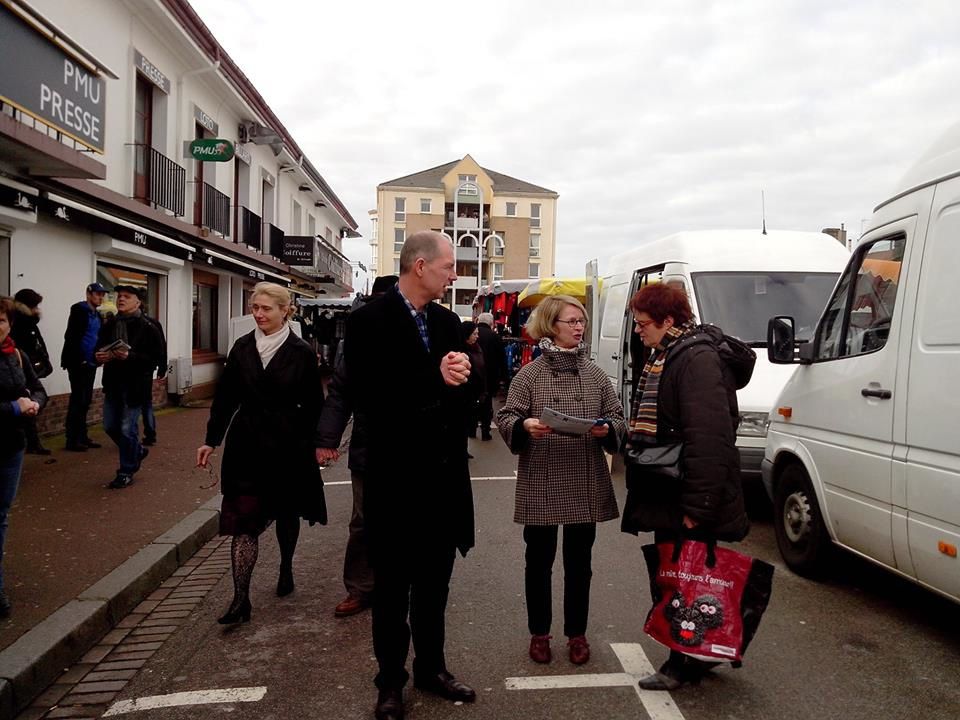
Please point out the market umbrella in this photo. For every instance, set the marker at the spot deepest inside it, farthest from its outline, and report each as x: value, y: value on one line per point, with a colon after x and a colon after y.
x: 537, y: 290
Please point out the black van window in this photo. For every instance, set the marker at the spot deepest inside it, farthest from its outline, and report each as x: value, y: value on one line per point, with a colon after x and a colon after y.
x: 857, y: 319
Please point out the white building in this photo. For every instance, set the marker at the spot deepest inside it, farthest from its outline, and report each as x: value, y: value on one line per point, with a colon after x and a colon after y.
x: 97, y: 181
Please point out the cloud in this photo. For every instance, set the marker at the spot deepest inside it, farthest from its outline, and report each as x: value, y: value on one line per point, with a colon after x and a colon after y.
x: 646, y: 117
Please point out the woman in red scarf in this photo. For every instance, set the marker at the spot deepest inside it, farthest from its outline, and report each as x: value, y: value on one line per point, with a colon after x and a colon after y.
x: 21, y: 397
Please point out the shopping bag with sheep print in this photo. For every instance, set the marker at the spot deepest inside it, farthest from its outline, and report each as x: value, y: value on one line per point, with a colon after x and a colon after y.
x: 707, y: 601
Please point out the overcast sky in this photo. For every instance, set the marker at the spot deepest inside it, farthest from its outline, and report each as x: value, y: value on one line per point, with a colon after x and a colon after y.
x: 646, y: 117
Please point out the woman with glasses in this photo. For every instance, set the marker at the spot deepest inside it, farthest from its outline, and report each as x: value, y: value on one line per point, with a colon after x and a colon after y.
x: 562, y: 478
x: 267, y: 405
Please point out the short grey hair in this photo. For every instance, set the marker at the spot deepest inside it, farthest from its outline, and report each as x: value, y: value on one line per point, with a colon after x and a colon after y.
x: 485, y: 318
x: 425, y: 244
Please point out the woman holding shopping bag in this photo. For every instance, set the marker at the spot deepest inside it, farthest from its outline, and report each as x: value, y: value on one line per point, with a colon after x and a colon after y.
x: 562, y: 479
x: 684, y: 401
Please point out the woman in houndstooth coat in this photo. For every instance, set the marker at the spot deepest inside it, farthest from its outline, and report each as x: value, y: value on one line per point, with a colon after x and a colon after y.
x: 561, y: 479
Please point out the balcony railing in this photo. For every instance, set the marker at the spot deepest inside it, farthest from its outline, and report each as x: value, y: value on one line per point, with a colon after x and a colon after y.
x: 250, y: 229
x: 216, y: 210
x: 274, y: 239
x: 159, y: 180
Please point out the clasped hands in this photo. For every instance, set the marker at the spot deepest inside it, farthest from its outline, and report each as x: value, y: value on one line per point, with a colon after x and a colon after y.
x: 28, y: 406
x: 455, y: 368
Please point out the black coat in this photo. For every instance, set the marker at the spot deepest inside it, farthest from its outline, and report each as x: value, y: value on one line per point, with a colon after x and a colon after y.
x: 697, y: 405
x: 25, y: 331
x: 417, y: 478
x: 271, y: 414
x: 17, y: 380
x: 132, y: 375
x: 337, y: 409
x: 495, y: 358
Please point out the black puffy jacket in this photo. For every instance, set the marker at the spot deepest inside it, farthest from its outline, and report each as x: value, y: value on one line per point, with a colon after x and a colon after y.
x: 697, y: 405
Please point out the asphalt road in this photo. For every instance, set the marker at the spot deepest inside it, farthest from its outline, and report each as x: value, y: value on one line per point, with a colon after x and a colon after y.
x: 860, y: 645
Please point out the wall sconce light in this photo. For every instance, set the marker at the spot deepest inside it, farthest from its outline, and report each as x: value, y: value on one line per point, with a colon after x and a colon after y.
x: 319, y: 203
x: 304, y: 187
x: 287, y: 168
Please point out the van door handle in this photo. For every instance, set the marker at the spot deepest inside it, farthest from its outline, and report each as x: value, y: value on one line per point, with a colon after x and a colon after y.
x: 877, y: 393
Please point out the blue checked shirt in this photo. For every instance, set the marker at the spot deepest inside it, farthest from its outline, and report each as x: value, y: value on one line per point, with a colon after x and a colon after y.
x: 419, y: 317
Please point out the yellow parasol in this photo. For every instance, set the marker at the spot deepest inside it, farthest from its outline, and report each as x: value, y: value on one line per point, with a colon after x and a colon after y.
x: 537, y: 290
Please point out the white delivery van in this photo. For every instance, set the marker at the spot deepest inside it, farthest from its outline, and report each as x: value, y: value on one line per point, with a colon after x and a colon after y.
x: 734, y: 278
x: 864, y: 448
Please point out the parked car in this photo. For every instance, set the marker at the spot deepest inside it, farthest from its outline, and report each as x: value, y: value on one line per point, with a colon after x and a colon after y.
x: 734, y: 278
x: 863, y: 450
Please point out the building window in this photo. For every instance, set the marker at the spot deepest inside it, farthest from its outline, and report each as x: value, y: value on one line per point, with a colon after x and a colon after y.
x: 511, y: 209
x: 534, y: 245
x: 425, y: 204
x: 534, y: 270
x: 297, y: 223
x: 497, y: 249
x: 400, y: 209
x: 110, y: 275
x: 396, y: 266
x: 142, y: 137
x: 205, y: 294
x: 311, y: 225
x: 467, y: 178
x: 398, y: 239
x: 497, y: 271
x: 534, y: 215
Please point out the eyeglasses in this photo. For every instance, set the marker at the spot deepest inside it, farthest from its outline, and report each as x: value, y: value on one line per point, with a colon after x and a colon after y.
x: 573, y: 323
x: 643, y: 323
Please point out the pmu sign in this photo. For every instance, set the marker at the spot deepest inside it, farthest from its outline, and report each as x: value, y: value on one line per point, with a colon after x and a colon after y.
x: 211, y: 150
x: 38, y: 78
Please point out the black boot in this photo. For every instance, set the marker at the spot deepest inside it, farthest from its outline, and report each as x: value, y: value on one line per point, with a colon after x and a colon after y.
x: 285, y: 581
x: 238, y: 612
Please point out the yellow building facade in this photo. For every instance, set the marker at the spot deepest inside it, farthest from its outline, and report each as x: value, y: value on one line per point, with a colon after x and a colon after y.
x: 501, y: 227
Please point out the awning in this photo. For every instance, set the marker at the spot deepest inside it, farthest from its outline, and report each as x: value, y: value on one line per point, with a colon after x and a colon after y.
x: 499, y: 287
x: 238, y: 266
x: 540, y: 289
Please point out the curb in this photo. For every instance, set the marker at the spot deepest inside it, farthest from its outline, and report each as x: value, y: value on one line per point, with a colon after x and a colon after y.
x: 39, y: 656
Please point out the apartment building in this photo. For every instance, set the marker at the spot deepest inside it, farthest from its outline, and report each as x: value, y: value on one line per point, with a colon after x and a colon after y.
x: 501, y: 227
x: 134, y: 150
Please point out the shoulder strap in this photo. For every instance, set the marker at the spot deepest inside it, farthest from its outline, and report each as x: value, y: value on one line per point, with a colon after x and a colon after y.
x: 16, y: 352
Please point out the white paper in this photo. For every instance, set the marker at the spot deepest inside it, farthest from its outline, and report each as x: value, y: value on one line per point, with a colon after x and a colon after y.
x: 566, y: 423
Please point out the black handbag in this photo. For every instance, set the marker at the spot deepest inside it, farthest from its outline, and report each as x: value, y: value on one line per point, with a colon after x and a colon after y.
x: 666, y: 460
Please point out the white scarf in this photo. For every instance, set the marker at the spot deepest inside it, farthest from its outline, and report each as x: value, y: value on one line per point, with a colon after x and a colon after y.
x: 267, y: 345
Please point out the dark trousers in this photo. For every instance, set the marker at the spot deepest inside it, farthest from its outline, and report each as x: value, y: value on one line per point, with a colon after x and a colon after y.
x: 357, y: 573
x: 541, y: 543
x: 30, y: 431
x: 411, y: 578
x: 485, y: 410
x: 10, y: 467
x: 81, y: 395
x: 149, y: 420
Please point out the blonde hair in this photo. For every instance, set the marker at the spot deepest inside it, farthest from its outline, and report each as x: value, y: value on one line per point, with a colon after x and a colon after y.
x: 542, y: 319
x: 278, y: 293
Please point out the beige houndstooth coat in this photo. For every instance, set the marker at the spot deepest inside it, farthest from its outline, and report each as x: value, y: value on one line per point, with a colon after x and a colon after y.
x: 562, y: 479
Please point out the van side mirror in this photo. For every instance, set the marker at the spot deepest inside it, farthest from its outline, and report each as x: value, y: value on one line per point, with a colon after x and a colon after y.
x: 781, y: 340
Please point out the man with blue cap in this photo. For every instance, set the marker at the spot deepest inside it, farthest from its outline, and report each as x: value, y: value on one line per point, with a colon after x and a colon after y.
x: 79, y: 345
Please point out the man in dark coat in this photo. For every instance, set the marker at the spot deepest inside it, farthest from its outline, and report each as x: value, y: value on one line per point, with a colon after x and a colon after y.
x: 26, y: 335
x: 495, y: 361
x: 337, y: 409
x: 134, y: 345
x: 149, y: 419
x: 79, y: 345
x: 418, y: 503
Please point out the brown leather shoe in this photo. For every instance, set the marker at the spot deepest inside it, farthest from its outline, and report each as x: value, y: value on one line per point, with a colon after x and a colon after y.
x: 540, y: 648
x: 579, y: 649
x: 350, y: 605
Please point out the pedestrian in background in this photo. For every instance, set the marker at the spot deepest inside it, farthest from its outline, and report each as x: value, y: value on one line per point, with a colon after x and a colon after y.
x: 495, y: 361
x: 477, y: 384
x: 406, y: 375
x: 21, y: 398
x: 128, y: 347
x: 337, y: 409
x: 26, y: 334
x: 267, y: 404
x: 562, y: 480
x: 77, y: 358
x: 682, y: 397
x: 149, y: 419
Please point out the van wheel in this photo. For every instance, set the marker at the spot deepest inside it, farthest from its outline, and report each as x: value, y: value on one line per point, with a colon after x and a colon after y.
x: 801, y: 533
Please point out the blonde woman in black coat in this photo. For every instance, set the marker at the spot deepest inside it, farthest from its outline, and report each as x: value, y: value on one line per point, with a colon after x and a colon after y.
x: 270, y: 398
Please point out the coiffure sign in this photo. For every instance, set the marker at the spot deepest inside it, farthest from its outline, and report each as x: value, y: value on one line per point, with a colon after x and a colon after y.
x: 40, y: 79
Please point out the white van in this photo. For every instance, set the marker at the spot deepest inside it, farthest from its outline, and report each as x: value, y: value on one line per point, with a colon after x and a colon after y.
x: 734, y: 278
x: 864, y: 450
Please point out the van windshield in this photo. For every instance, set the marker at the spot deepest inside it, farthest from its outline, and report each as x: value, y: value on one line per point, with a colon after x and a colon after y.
x: 741, y: 303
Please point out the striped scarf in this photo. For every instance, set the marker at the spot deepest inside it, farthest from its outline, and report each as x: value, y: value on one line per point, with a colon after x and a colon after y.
x: 643, y: 413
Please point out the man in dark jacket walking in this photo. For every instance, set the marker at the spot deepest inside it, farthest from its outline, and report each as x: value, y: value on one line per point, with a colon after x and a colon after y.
x: 128, y: 347
x: 418, y: 503
x: 79, y: 345
x: 357, y: 573
x: 26, y: 335
x: 495, y: 361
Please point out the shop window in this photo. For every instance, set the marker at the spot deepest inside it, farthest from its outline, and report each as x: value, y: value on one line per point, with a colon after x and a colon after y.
x: 205, y: 313
x: 110, y: 275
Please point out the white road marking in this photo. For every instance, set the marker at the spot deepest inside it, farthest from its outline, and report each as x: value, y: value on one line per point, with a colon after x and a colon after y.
x: 327, y: 483
x: 196, y: 697
x: 496, y: 477
x: 659, y: 705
